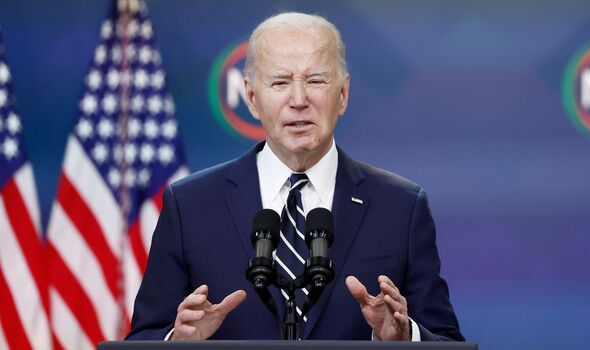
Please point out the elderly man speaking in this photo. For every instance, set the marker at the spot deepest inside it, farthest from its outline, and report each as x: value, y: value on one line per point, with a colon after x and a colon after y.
x: 387, y: 283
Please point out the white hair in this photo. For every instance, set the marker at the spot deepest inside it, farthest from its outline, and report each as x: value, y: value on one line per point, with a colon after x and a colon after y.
x: 294, y: 20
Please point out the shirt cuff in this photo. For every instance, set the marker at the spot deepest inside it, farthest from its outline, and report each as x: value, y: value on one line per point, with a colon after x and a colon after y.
x: 415, y: 333
x: 169, y: 335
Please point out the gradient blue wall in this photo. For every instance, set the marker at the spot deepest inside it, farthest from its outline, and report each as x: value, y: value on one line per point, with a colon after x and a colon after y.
x: 463, y: 97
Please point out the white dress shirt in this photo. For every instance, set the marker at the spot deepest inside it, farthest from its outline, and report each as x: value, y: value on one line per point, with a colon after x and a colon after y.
x: 273, y: 176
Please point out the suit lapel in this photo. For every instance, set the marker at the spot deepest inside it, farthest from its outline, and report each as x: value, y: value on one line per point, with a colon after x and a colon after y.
x: 243, y: 200
x: 348, y: 215
x: 244, y: 203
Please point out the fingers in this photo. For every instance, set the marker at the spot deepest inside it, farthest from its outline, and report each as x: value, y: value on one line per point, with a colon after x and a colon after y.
x: 401, y: 319
x: 203, y: 289
x: 396, y: 301
x: 394, y: 306
x: 358, y: 290
x: 188, y: 315
x: 385, y: 281
x: 231, y: 301
x: 403, y: 324
x: 198, y: 319
x: 195, y: 300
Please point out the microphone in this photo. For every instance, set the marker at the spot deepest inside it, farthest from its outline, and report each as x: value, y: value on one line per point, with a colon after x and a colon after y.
x: 265, y: 238
x: 319, y: 235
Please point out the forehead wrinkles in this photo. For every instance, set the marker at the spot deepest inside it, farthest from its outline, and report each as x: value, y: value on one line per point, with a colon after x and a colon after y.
x: 279, y: 51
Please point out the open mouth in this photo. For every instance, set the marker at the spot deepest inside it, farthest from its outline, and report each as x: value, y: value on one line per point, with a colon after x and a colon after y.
x: 299, y: 124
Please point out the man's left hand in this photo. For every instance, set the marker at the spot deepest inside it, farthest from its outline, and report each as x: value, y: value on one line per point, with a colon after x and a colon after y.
x: 386, y: 313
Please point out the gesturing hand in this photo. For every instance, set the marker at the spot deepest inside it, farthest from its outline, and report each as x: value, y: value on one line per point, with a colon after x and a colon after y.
x: 198, y: 318
x: 386, y: 313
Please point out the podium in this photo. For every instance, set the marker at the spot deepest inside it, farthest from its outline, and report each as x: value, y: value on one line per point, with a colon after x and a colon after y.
x: 283, y: 345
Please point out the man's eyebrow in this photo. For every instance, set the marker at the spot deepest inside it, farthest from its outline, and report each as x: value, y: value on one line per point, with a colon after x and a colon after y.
x: 320, y: 74
x: 286, y: 75
x: 279, y: 75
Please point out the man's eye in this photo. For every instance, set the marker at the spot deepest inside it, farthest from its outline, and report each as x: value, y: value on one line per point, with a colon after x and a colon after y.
x: 278, y: 83
x: 316, y: 82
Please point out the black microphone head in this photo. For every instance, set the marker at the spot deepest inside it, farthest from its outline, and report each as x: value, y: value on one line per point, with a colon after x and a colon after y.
x: 319, y: 219
x: 269, y: 221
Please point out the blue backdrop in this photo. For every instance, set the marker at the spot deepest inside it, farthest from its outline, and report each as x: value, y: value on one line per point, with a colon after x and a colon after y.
x: 463, y: 97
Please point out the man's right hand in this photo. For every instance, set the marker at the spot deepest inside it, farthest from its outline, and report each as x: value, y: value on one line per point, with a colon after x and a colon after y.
x: 198, y: 318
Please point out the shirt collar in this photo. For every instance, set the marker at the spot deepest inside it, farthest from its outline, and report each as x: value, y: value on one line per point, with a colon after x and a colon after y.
x: 275, y: 174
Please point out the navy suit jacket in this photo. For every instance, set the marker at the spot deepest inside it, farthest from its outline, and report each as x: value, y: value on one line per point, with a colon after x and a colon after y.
x: 203, y: 237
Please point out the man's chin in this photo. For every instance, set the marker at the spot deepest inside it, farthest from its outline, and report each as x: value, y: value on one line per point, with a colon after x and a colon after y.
x: 300, y: 147
x: 303, y: 147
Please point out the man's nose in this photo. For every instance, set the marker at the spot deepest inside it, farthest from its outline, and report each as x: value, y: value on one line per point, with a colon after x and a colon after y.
x: 298, y: 98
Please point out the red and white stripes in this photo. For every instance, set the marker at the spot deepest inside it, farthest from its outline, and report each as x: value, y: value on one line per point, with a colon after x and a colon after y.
x: 23, y: 293
x: 85, y: 234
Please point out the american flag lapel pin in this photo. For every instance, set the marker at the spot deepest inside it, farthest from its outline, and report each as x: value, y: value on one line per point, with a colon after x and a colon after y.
x: 356, y: 200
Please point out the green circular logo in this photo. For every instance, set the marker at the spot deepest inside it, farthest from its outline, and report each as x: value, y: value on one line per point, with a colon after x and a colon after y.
x: 227, y: 94
x: 576, y: 90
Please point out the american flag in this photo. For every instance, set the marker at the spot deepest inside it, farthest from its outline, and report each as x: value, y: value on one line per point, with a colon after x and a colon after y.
x: 23, y: 300
x: 123, y: 150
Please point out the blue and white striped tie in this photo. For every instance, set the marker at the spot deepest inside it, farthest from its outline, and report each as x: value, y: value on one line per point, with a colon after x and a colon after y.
x: 292, y: 251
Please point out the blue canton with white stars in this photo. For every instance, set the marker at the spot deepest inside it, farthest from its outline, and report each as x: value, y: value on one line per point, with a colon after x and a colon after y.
x: 12, y: 154
x: 144, y: 157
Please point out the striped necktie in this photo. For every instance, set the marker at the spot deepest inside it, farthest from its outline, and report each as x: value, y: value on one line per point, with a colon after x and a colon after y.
x: 292, y: 251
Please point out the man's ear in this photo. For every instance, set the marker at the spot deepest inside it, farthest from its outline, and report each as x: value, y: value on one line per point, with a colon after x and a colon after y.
x: 251, y: 99
x: 344, y: 89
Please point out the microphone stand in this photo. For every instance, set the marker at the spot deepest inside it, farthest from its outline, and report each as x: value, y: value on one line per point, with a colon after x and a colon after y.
x: 291, y: 320
x: 318, y: 272
x: 291, y: 324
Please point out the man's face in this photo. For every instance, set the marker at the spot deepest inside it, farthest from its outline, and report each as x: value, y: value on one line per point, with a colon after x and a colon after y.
x: 297, y: 93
